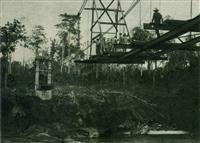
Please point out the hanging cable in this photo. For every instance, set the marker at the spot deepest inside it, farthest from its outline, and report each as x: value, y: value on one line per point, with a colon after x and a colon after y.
x: 150, y: 9
x: 82, y: 7
x: 191, y: 6
x: 160, y: 4
x: 140, y: 14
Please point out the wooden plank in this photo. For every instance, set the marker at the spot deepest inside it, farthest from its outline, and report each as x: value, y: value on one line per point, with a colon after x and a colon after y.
x: 170, y: 25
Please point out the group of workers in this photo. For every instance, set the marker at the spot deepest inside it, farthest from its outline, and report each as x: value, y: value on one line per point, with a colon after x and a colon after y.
x: 106, y: 45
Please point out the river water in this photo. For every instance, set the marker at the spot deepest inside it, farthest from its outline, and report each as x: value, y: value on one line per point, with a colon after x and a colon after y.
x: 133, y: 139
x: 147, y: 139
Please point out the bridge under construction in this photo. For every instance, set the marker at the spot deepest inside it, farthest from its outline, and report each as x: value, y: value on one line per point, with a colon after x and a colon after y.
x: 137, y: 52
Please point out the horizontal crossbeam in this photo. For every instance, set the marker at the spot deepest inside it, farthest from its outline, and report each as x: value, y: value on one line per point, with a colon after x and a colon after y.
x: 102, y: 9
x: 109, y: 23
x: 109, y: 62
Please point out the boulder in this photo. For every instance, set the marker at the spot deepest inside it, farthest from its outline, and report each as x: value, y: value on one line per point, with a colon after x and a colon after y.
x: 87, y: 132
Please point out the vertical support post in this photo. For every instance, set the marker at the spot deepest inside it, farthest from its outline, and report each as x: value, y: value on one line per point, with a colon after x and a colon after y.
x: 124, y: 20
x: 116, y: 18
x: 95, y: 6
x: 37, y: 72
x: 91, y: 36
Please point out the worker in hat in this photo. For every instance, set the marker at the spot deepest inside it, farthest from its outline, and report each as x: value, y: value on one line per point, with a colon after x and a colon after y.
x: 157, y: 20
x: 120, y: 38
x: 125, y: 41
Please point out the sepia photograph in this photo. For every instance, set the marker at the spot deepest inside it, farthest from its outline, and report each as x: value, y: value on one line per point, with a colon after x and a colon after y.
x: 100, y: 71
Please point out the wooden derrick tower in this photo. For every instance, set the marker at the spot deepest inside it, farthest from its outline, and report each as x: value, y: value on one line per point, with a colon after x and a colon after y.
x: 106, y: 15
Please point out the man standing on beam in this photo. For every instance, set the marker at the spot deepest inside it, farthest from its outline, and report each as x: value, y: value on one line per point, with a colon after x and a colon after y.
x: 157, y: 20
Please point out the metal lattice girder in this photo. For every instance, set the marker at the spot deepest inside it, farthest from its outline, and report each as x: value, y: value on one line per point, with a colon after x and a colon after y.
x: 171, y: 25
x: 166, y: 37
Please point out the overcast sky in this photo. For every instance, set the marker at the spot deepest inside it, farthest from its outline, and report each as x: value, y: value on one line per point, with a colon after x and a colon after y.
x: 45, y: 13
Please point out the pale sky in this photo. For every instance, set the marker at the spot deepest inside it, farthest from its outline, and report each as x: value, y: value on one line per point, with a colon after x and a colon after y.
x: 45, y: 13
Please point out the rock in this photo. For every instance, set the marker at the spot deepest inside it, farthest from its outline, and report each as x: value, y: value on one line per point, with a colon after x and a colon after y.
x: 70, y: 140
x: 35, y: 129
x: 127, y: 133
x: 45, y: 137
x: 144, y: 130
x: 87, y: 132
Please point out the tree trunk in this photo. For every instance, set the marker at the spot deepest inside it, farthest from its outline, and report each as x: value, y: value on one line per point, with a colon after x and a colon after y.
x: 37, y: 70
x: 5, y: 73
x: 6, y: 79
x: 9, y: 64
x: 149, y: 66
x: 69, y: 65
x: 124, y: 77
x: 62, y: 59
x: 141, y: 70
x: 154, y: 74
x: 97, y: 71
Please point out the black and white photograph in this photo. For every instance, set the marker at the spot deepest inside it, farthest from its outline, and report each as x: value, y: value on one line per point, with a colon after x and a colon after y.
x: 100, y: 71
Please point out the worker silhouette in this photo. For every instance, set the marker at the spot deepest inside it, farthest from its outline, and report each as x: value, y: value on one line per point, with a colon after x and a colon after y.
x: 98, y: 47
x: 157, y: 20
